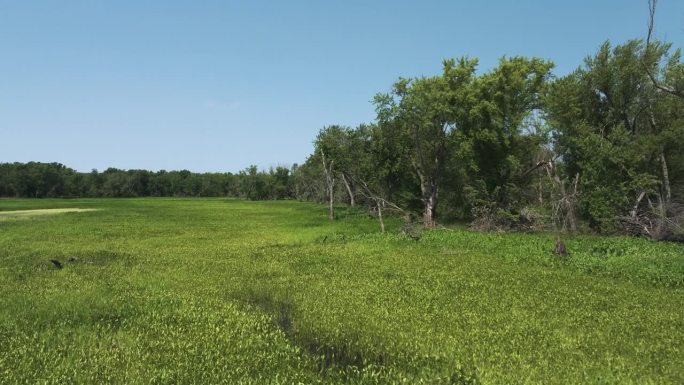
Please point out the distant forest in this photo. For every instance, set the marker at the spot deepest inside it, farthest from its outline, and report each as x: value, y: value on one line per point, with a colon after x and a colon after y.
x: 600, y: 149
x: 55, y: 180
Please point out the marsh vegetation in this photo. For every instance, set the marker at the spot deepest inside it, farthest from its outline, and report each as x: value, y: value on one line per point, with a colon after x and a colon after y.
x: 227, y: 291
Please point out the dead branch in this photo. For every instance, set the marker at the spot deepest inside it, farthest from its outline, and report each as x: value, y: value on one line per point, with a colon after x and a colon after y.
x: 651, y: 24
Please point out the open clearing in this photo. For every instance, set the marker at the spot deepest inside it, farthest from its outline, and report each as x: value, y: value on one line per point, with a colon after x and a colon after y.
x: 224, y: 291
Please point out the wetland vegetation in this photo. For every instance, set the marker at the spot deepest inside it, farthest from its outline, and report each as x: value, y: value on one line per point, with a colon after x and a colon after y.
x: 162, y: 290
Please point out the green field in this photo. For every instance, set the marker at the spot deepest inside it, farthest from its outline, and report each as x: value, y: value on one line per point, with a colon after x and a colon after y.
x: 175, y: 291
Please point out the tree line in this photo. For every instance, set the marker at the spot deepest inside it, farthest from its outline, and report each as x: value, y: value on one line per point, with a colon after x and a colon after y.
x: 517, y: 148
x: 54, y: 180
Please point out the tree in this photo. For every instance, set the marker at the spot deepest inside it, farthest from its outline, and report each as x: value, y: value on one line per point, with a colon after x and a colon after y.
x: 617, y: 129
x: 426, y: 112
x: 307, y: 181
x: 280, y: 183
x: 374, y: 171
x: 331, y: 148
x: 502, y: 143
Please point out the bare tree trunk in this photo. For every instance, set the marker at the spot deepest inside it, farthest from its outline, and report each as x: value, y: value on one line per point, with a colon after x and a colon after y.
x: 352, y: 202
x: 663, y: 162
x: 430, y: 206
x: 380, y: 203
x: 330, y: 182
x: 563, y: 193
x: 429, y: 196
x: 660, y: 227
x: 331, y: 212
x: 541, y: 194
x: 565, y: 203
x: 635, y: 209
x: 666, y: 179
x: 570, y: 204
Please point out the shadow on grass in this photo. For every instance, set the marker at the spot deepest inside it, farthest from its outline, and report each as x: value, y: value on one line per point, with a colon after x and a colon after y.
x: 336, y: 358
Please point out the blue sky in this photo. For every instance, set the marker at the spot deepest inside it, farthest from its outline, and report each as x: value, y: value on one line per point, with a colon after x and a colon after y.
x: 220, y: 85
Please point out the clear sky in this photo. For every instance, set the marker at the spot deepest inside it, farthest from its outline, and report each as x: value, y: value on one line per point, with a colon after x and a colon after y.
x: 219, y: 85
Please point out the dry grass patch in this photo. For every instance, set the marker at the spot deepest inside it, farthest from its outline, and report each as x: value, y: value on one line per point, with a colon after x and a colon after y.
x: 26, y: 214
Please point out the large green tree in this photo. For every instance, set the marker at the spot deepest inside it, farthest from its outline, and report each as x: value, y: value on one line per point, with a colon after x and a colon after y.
x: 426, y: 113
x: 619, y: 131
x: 502, y: 140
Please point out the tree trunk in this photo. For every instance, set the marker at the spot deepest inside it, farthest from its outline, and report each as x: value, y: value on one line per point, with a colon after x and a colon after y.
x: 430, y: 207
x: 349, y: 190
x: 564, y: 196
x: 565, y: 203
x: 666, y: 178
x: 330, y: 183
x: 570, y: 202
x: 428, y: 191
x: 541, y: 193
x: 380, y: 218
x: 331, y: 211
x: 635, y: 209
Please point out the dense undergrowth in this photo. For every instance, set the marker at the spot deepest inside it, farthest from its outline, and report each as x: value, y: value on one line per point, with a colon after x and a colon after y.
x: 224, y: 291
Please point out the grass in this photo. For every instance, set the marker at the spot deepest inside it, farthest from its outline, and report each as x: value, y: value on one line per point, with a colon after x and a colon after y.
x: 223, y: 291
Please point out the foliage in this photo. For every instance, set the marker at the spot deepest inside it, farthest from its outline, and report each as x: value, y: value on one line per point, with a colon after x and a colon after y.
x: 51, y: 180
x: 599, y: 145
x: 619, y: 132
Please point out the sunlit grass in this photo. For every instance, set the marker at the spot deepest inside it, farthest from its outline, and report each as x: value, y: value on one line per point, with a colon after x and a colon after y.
x: 226, y: 291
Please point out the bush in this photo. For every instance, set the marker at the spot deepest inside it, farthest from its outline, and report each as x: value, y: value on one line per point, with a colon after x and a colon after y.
x: 490, y: 219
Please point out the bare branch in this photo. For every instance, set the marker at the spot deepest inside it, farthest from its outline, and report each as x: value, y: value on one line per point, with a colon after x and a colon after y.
x: 536, y: 166
x: 651, y: 25
x: 651, y: 20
